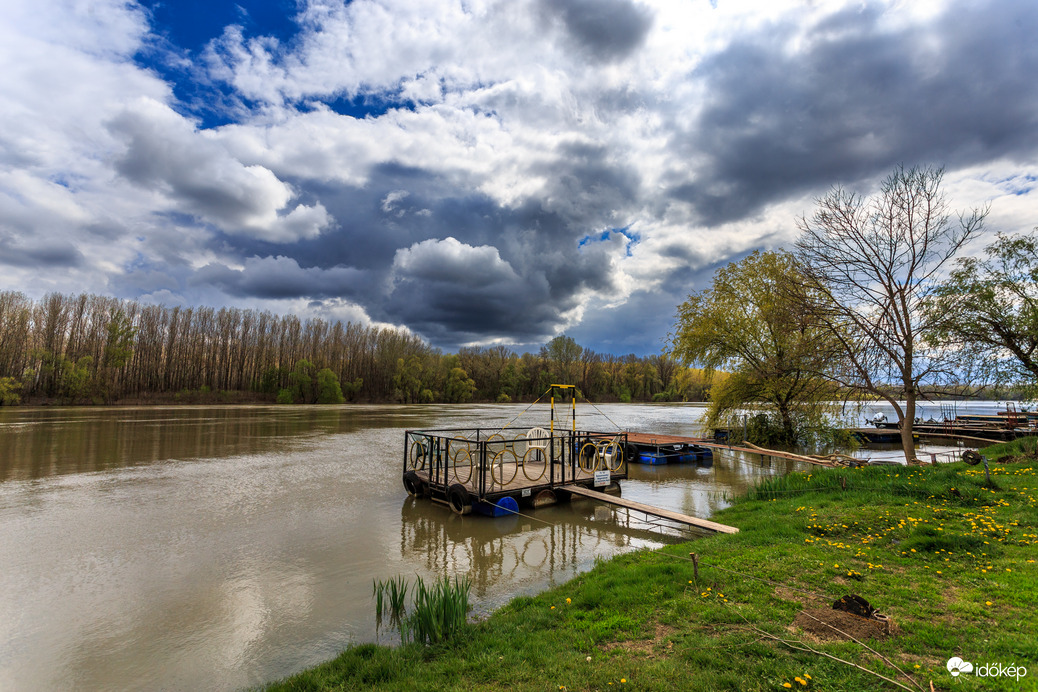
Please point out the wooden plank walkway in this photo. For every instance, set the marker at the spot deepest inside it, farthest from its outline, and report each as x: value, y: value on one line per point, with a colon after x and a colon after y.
x: 649, y: 509
x: 652, y: 439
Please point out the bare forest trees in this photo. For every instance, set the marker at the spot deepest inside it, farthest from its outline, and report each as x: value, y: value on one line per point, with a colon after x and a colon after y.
x: 868, y: 265
x: 97, y: 349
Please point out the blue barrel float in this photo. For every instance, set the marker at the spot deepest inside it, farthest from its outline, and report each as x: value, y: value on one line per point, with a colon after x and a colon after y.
x: 503, y: 507
x: 649, y: 457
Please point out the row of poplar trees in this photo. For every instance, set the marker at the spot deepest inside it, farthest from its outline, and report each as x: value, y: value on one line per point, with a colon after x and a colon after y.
x: 85, y: 348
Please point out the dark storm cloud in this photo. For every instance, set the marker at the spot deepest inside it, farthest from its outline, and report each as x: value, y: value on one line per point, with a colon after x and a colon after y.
x: 450, y: 264
x: 43, y: 256
x: 453, y: 292
x: 282, y: 277
x: 604, y: 29
x: 858, y: 99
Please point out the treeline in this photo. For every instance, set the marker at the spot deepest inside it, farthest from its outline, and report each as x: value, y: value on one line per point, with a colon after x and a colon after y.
x: 73, y: 349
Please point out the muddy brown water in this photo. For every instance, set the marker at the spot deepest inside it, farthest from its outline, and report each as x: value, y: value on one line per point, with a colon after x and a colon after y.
x: 223, y: 547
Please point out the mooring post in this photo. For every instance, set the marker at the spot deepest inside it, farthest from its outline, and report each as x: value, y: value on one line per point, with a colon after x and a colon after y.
x: 695, y: 567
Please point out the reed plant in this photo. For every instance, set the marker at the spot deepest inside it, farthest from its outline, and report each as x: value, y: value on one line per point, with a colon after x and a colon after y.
x: 390, y: 600
x: 438, y: 610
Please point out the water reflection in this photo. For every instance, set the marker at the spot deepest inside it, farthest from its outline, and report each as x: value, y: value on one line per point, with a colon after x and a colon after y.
x: 553, y: 542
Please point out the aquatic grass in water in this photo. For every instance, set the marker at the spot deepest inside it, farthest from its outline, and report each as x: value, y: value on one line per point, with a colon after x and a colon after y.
x: 390, y: 599
x: 438, y: 611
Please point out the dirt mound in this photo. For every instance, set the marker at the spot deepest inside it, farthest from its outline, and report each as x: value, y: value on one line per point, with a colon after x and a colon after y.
x: 820, y: 622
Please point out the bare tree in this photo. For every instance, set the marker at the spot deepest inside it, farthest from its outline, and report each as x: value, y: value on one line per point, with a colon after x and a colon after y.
x: 869, y: 263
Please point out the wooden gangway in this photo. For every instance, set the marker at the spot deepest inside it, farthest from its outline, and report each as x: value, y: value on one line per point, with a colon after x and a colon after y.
x: 650, y: 510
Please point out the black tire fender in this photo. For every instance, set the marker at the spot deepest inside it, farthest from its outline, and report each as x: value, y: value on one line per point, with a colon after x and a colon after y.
x: 459, y: 499
x: 413, y: 484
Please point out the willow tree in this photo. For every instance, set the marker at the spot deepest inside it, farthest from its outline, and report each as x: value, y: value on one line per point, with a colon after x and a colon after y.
x: 868, y: 266
x: 749, y: 323
x: 987, y: 309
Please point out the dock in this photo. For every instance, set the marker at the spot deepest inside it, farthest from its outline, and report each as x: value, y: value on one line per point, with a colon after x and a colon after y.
x: 650, y: 510
x: 647, y: 439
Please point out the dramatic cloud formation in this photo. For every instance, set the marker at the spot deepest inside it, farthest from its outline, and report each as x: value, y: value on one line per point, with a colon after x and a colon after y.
x: 485, y: 171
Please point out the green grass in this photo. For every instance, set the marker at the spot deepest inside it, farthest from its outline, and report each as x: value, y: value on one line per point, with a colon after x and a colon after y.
x: 1020, y: 447
x: 948, y: 558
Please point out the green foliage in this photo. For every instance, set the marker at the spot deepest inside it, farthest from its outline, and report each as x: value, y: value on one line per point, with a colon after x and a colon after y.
x: 459, y: 387
x: 513, y: 379
x: 119, y: 344
x: 9, y: 387
x: 303, y: 378
x: 750, y: 323
x: 328, y: 389
x: 76, y: 379
x: 988, y: 308
x: 270, y: 381
x: 408, y: 378
x: 285, y: 396
x: 563, y: 356
x: 351, y: 389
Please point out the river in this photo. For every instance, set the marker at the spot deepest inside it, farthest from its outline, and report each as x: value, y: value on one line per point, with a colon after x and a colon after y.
x: 223, y: 547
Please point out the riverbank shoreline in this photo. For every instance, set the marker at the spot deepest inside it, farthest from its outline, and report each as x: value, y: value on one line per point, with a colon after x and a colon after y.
x: 947, y: 557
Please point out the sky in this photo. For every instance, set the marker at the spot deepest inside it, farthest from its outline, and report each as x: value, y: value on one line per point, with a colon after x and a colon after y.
x: 483, y: 172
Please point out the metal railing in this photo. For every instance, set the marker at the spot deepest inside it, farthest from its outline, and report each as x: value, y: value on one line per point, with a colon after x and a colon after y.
x: 492, y: 461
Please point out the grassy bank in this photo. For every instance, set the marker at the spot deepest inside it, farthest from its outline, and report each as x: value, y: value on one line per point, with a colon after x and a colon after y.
x: 950, y: 560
